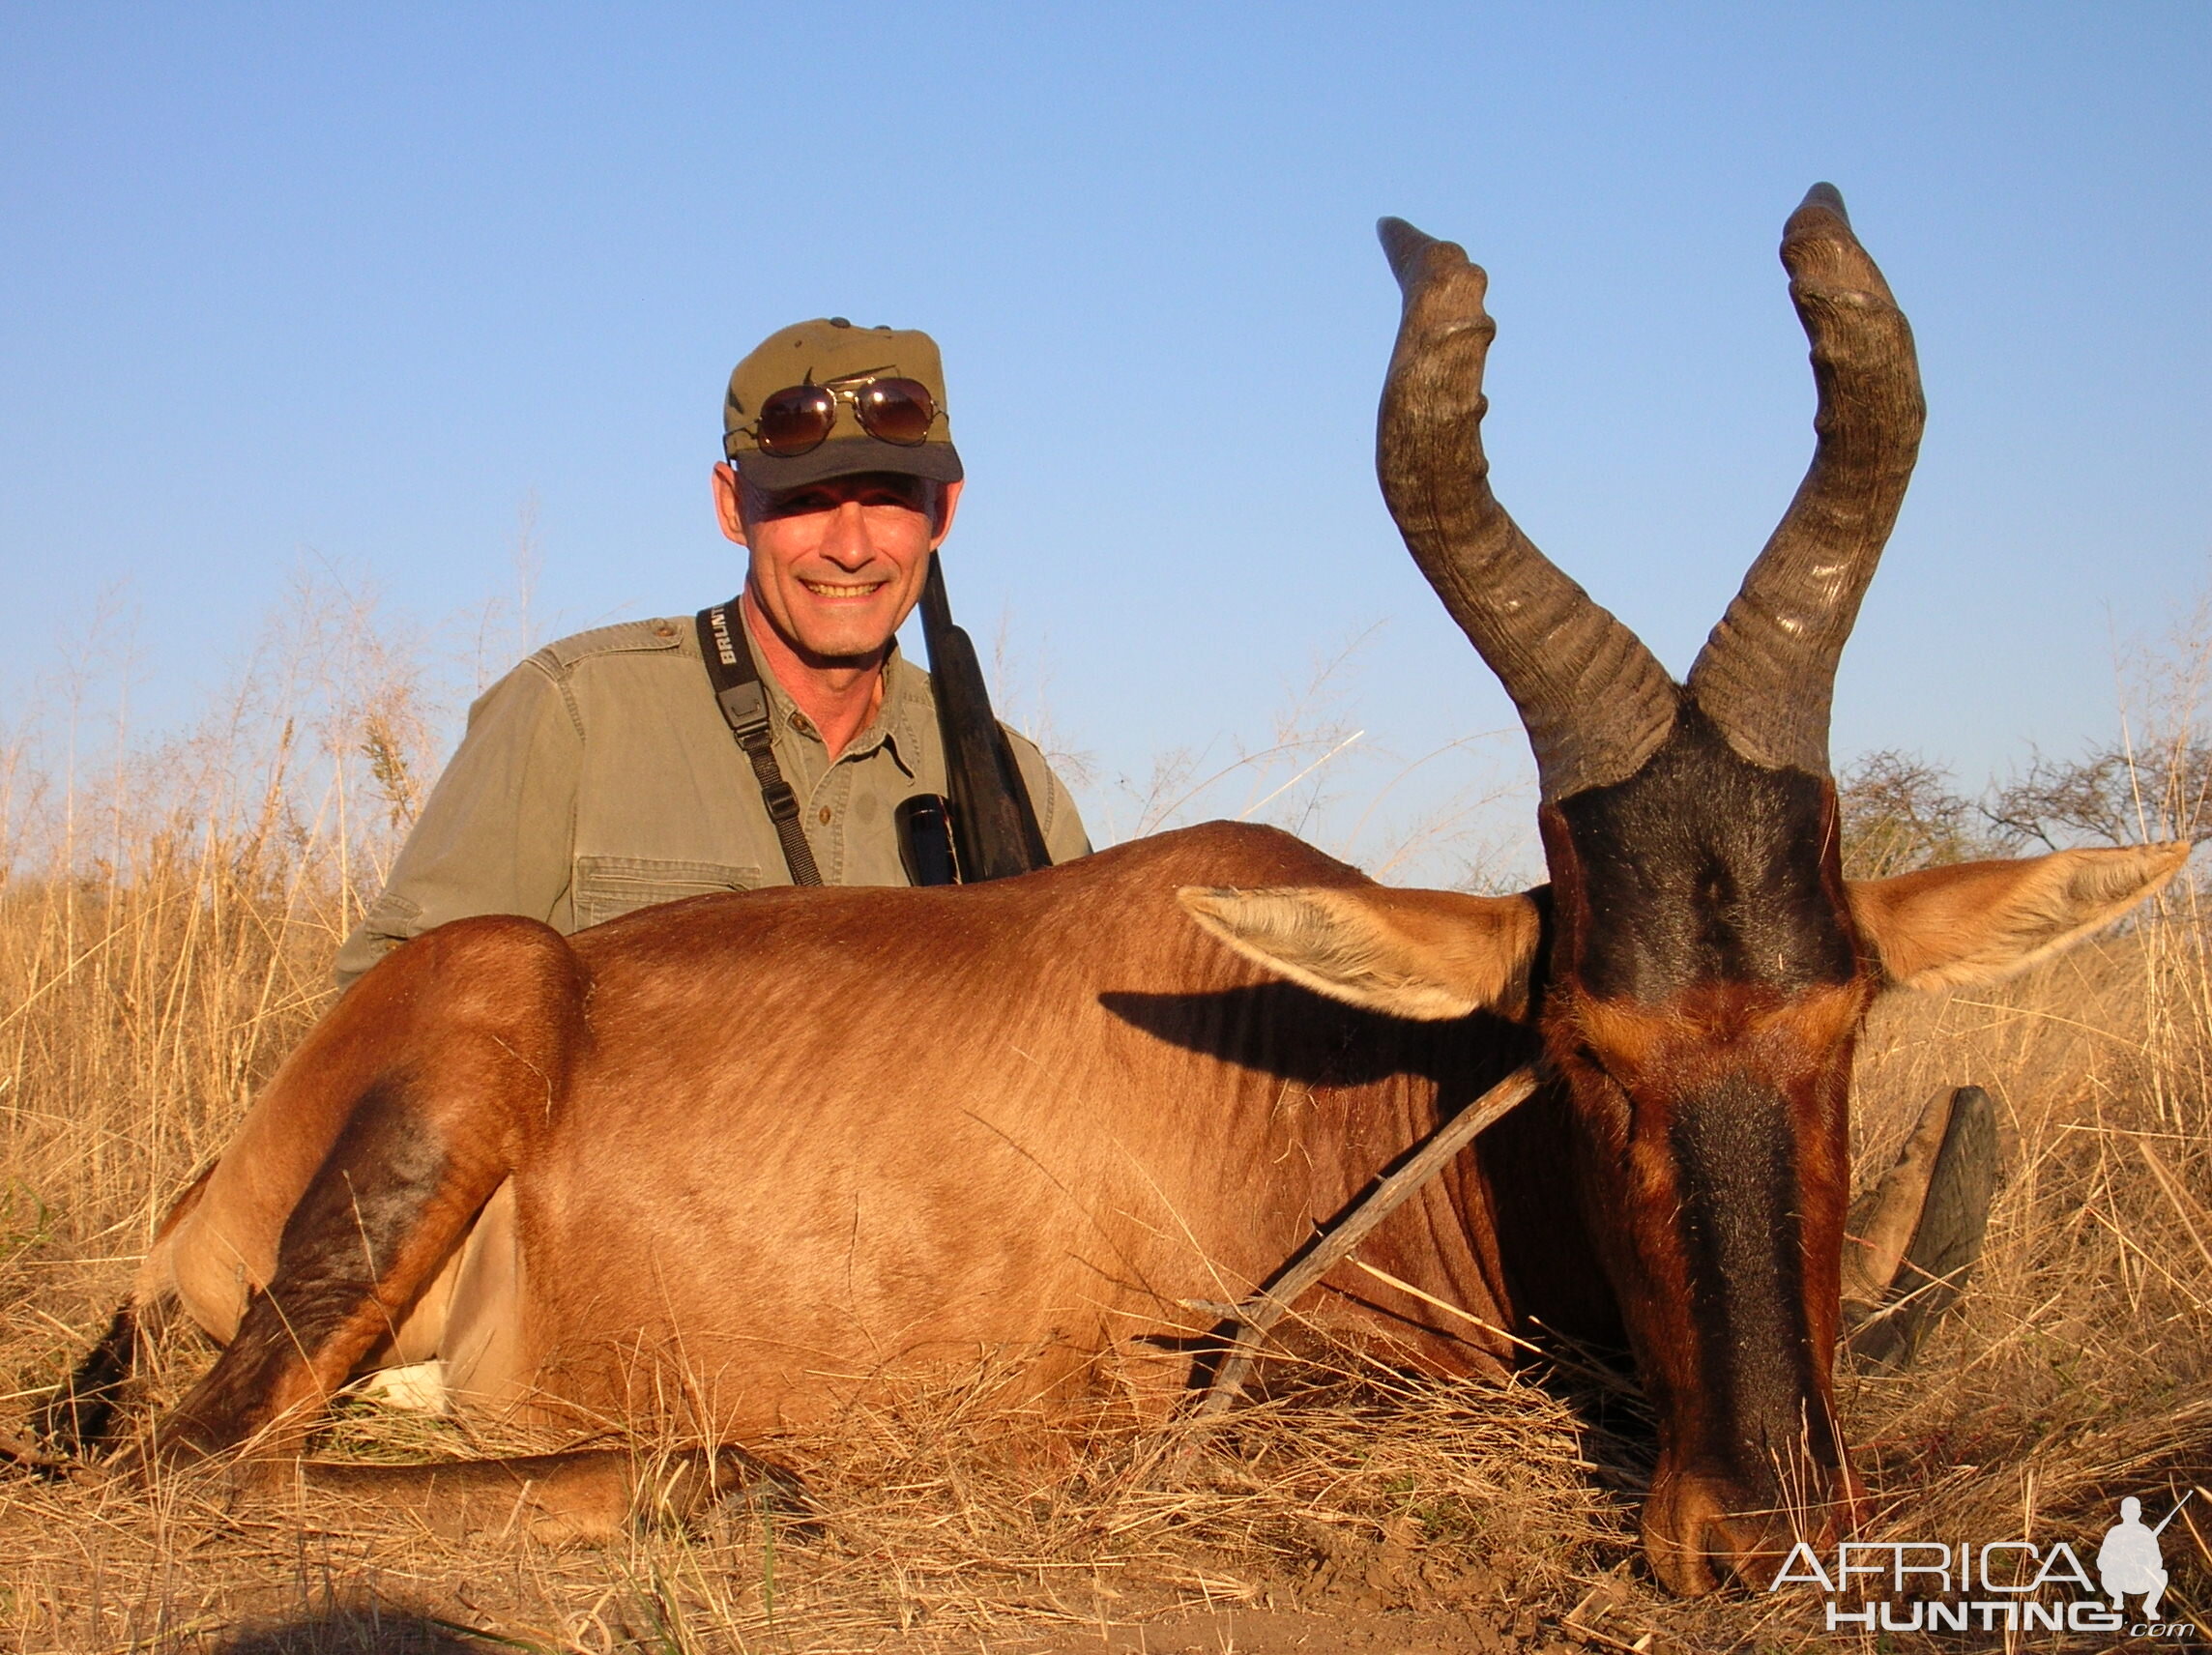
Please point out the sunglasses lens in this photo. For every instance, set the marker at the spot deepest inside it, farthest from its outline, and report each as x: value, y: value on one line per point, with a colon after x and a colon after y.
x: 795, y: 420
x: 898, y: 411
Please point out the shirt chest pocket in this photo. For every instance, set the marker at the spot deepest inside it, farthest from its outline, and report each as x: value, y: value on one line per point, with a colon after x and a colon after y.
x: 607, y: 887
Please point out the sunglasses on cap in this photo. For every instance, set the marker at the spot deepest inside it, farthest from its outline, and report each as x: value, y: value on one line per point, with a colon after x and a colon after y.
x: 798, y: 420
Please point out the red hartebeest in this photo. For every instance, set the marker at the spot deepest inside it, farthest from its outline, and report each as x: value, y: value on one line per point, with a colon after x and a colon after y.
x: 738, y: 1156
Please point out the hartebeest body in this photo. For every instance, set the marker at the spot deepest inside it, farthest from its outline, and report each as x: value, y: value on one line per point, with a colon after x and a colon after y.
x: 760, y: 1150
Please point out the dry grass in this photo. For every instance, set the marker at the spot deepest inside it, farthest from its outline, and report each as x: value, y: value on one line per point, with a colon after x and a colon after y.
x: 920, y: 1523
x: 161, y: 947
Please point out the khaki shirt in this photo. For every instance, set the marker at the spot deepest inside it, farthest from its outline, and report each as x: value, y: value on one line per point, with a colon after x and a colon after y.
x: 599, y: 776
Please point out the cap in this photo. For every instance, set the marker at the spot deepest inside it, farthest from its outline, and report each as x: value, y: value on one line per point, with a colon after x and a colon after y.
x: 815, y: 353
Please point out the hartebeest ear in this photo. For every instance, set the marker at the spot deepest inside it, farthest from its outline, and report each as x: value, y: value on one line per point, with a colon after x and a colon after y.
x: 1976, y: 923
x: 1426, y: 954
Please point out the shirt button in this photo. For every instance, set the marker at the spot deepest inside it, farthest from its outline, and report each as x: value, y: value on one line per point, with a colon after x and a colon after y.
x: 824, y: 818
x: 664, y: 630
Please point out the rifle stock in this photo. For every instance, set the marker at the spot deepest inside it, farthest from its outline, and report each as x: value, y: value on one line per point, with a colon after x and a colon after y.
x: 994, y: 824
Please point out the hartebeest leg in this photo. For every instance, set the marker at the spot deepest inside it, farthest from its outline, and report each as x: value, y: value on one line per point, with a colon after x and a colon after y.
x: 474, y: 1067
x: 389, y: 1203
x: 587, y: 1495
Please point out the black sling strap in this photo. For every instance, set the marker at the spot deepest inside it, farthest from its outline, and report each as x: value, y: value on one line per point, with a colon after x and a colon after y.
x: 738, y: 693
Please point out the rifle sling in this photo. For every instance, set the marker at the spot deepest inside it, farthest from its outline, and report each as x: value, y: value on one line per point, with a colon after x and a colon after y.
x: 744, y: 701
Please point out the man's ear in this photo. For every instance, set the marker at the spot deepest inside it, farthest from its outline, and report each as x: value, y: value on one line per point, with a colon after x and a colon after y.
x: 1424, y: 954
x: 948, y: 503
x: 1978, y: 922
x: 728, y: 510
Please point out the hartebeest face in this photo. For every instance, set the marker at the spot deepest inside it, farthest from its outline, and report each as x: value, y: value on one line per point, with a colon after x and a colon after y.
x: 1708, y: 966
x: 1704, y: 987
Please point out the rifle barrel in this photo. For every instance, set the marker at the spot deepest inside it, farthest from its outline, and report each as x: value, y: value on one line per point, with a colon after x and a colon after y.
x: 994, y: 824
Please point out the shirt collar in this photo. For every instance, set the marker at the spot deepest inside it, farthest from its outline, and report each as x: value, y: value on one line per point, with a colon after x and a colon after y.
x: 907, y: 710
x: 897, y: 724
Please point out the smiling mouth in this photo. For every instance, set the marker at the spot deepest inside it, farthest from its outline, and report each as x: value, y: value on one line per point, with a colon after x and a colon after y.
x: 837, y: 590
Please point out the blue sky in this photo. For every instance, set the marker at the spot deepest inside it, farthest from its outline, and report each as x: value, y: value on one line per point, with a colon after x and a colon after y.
x: 356, y: 289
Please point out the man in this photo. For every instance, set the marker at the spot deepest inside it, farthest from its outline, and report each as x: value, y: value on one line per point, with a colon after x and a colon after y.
x: 599, y: 775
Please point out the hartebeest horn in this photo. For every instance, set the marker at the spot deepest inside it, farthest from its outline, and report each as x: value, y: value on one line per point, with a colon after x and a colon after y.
x: 1765, y: 675
x: 1594, y: 698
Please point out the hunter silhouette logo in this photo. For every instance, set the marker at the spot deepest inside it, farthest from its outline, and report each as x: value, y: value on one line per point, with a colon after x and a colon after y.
x: 2130, y: 1560
x: 2008, y: 1586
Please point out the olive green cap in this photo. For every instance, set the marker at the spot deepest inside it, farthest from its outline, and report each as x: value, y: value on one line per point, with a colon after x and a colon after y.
x: 817, y: 353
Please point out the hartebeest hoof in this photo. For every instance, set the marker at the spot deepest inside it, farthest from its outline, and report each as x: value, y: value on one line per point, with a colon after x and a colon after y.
x: 1907, y: 1262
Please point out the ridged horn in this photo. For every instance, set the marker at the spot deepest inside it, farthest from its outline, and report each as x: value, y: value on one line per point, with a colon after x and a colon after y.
x: 1767, y: 673
x: 1594, y: 700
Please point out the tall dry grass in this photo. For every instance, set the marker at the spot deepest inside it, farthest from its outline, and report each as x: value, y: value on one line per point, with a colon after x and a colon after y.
x: 167, y: 915
x: 166, y: 922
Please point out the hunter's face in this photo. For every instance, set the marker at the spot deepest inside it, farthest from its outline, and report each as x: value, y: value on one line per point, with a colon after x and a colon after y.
x: 836, y: 567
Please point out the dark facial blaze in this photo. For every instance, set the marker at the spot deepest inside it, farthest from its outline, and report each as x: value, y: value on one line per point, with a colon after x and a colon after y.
x: 1705, y: 986
x: 1705, y: 868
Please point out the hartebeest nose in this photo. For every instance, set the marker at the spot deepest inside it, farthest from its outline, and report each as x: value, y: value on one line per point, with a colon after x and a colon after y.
x: 1702, y: 1532
x: 1748, y: 1549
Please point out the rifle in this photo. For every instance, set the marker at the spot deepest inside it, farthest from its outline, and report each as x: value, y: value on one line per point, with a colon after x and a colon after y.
x: 994, y: 825
x: 2172, y: 1514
